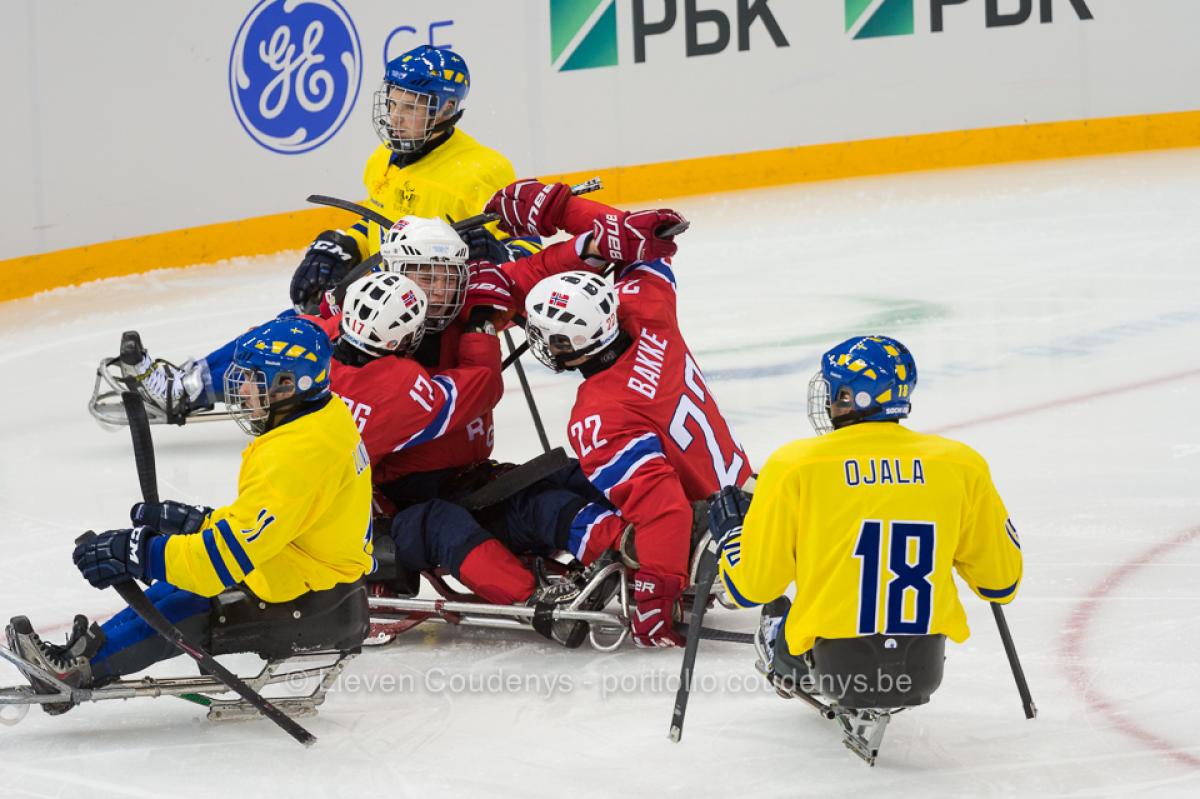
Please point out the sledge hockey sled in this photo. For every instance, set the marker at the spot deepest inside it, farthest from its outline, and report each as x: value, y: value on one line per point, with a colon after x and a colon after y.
x: 106, y: 407
x: 305, y: 643
x: 396, y: 608
x: 860, y: 683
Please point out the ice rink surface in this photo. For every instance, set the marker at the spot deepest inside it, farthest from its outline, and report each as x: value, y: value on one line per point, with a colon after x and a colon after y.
x: 1054, y: 312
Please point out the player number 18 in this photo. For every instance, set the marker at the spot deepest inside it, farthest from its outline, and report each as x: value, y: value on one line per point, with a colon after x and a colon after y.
x: 910, y: 576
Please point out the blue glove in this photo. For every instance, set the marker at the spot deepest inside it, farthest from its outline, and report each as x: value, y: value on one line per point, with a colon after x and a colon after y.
x: 483, y: 246
x: 117, y: 555
x: 170, y: 517
x: 327, y: 261
x: 726, y: 512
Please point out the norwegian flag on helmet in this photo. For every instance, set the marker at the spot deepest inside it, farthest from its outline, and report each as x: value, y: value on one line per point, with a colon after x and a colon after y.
x: 410, y: 299
x: 558, y: 299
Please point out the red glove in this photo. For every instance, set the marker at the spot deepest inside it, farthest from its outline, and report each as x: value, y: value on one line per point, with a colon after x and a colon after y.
x: 623, y: 237
x: 529, y: 207
x: 655, y: 599
x: 489, y: 291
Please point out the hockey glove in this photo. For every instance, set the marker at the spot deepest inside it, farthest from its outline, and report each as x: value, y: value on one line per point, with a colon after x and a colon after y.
x: 172, y: 518
x: 116, y: 555
x: 727, y: 511
x: 483, y: 246
x: 625, y: 237
x: 530, y: 208
x: 656, y: 599
x: 489, y: 295
x: 327, y: 261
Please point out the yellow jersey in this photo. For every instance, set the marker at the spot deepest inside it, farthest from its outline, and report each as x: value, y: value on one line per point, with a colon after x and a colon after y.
x: 452, y: 182
x: 868, y: 521
x: 301, y: 521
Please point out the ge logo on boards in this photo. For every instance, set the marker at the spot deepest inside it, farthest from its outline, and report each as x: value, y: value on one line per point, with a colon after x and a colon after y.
x: 294, y: 73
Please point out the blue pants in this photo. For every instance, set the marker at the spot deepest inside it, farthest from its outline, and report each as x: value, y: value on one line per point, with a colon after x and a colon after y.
x: 537, y: 519
x: 132, y: 645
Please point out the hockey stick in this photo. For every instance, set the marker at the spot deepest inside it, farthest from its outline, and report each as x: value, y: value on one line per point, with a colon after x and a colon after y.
x: 533, y: 409
x: 479, y: 220
x: 517, y: 479
x: 706, y: 574
x: 1010, y: 649
x: 143, y: 456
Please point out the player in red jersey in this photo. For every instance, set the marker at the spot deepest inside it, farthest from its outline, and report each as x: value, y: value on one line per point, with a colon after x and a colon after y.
x: 645, y: 425
x: 426, y: 422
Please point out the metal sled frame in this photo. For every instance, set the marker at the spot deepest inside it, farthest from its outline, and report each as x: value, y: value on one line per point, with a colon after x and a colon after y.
x: 105, y: 404
x: 391, y: 616
x: 862, y: 729
x: 607, y: 629
x: 323, y: 667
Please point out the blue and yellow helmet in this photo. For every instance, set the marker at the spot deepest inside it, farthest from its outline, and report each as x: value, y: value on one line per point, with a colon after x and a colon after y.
x: 872, y: 376
x: 430, y: 78
x: 276, y: 367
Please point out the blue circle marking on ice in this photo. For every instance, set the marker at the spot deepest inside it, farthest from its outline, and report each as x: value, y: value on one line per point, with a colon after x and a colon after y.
x: 294, y: 73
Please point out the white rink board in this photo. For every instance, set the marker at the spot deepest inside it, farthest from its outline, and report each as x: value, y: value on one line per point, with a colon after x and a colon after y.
x: 1060, y: 299
x: 121, y: 122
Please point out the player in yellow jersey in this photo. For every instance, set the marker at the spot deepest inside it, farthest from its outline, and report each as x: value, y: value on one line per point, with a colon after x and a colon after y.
x: 424, y: 167
x: 869, y: 520
x: 300, y: 525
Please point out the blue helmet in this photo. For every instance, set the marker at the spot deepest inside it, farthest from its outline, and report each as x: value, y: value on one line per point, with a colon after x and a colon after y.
x: 872, y: 377
x: 422, y: 93
x: 276, y: 367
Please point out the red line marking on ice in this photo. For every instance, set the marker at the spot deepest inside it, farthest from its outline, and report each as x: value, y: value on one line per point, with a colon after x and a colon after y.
x: 1081, y: 616
x: 1077, y: 627
x: 1099, y: 394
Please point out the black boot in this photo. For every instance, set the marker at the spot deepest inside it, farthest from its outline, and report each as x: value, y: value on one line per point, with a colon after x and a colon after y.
x: 69, y: 662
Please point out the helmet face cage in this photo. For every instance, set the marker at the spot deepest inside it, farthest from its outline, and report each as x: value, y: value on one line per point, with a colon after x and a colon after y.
x: 403, y: 118
x: 569, y: 316
x: 818, y: 404
x: 540, y: 345
x: 384, y: 314
x: 444, y: 283
x: 247, y: 398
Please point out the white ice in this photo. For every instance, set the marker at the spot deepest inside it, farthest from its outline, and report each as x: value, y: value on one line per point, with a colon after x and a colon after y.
x: 1054, y: 311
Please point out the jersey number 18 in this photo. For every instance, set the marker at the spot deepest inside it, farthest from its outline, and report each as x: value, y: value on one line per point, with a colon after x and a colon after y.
x: 910, y: 577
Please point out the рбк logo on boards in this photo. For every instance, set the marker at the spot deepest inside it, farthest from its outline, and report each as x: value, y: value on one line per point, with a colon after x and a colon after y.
x: 294, y: 73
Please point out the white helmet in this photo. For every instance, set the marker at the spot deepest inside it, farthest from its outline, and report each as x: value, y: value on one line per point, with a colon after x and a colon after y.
x: 384, y: 313
x: 570, y: 315
x: 430, y: 253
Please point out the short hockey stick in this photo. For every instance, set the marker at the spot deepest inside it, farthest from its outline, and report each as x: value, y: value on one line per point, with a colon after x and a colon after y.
x: 143, y: 455
x: 339, y: 291
x: 706, y: 575
x: 1014, y: 662
x: 533, y: 409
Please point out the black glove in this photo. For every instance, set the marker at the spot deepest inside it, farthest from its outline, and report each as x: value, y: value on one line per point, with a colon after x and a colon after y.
x: 726, y: 512
x: 172, y: 518
x: 116, y: 555
x: 327, y: 261
x: 483, y: 246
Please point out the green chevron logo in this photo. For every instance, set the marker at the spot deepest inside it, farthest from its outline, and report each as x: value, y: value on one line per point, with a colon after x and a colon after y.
x: 583, y: 34
x: 871, y: 19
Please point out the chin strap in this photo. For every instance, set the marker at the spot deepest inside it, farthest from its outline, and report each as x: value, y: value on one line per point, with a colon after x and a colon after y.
x: 403, y: 159
x: 605, y: 357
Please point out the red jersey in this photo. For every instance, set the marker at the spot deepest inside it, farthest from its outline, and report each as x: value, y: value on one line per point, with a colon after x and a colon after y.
x: 647, y: 429
x: 416, y: 420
